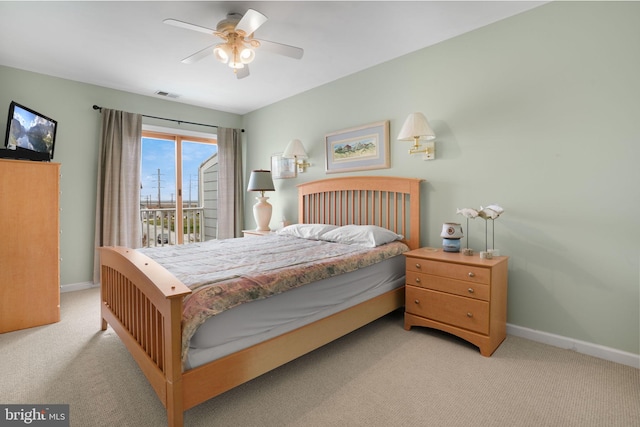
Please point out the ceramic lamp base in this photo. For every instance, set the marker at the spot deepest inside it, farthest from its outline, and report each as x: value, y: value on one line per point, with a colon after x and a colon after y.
x: 262, y: 213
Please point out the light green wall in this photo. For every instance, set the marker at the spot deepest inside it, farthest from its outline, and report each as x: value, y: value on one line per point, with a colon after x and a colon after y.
x: 538, y: 113
x: 70, y: 103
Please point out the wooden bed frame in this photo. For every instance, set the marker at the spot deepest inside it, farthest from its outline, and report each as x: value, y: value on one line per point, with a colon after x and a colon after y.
x: 142, y: 301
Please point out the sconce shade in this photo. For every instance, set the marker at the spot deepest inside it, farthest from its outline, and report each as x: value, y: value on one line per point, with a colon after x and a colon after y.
x: 294, y: 150
x: 416, y: 127
x: 260, y: 180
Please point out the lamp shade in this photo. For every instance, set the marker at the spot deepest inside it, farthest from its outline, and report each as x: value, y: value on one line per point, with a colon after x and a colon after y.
x: 247, y: 55
x: 260, y: 180
x: 294, y: 150
x: 416, y: 126
x: 222, y: 52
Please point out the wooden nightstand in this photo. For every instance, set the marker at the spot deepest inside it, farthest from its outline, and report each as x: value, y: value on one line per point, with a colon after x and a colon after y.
x: 254, y: 233
x: 460, y: 294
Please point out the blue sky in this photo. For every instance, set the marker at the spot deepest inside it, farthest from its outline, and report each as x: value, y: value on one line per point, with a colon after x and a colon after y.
x: 160, y: 154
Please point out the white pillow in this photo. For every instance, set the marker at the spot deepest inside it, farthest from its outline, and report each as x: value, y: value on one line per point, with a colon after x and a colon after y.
x: 368, y: 236
x: 306, y: 231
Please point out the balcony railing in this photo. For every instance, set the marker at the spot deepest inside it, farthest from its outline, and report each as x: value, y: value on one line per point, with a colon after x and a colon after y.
x: 158, y: 226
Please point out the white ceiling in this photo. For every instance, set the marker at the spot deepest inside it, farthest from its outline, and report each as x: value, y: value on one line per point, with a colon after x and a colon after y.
x: 125, y: 45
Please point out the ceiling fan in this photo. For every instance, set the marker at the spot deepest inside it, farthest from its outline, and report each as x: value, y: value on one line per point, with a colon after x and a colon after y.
x: 238, y: 46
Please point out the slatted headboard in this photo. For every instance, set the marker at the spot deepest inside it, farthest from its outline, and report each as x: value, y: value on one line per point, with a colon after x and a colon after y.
x: 389, y: 202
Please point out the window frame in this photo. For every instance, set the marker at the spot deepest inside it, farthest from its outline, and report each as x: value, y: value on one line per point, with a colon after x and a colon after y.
x: 178, y: 138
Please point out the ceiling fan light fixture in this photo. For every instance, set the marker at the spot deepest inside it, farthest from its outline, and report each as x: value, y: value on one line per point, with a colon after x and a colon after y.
x: 236, y: 65
x: 247, y: 55
x: 238, y: 45
x: 222, y: 52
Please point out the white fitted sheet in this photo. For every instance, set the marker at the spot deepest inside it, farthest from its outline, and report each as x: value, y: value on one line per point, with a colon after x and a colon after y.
x: 257, y: 321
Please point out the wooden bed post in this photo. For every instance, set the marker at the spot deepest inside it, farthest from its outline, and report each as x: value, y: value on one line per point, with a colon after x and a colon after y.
x: 173, y: 367
x: 142, y: 302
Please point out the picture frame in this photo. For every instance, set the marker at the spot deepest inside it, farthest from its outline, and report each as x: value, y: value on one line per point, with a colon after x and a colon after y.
x: 282, y: 168
x: 358, y: 148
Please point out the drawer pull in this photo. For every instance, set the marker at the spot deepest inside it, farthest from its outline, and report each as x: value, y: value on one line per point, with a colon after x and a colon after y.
x: 471, y: 274
x: 418, y: 265
x: 417, y: 280
x: 417, y: 301
x: 471, y: 290
x: 469, y: 314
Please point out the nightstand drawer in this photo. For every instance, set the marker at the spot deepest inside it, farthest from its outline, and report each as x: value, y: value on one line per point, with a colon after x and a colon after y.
x: 464, y: 272
x: 443, y: 284
x: 454, y: 310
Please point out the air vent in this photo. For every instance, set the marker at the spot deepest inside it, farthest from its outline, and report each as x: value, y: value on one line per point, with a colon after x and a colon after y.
x: 167, y: 94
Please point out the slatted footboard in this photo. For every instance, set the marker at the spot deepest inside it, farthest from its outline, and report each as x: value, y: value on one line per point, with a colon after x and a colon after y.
x: 142, y: 302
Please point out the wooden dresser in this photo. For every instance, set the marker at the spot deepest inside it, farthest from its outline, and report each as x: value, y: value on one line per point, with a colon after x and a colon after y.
x: 30, y: 248
x: 460, y: 294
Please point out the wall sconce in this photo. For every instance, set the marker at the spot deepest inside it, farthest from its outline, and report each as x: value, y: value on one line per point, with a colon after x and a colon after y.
x: 416, y: 128
x: 260, y: 180
x: 295, y: 150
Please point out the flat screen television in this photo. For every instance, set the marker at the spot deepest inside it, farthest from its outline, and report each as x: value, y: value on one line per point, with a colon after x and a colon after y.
x: 30, y: 130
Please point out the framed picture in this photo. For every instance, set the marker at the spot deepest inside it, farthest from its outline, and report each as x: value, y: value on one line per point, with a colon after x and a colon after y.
x: 282, y: 168
x: 359, y: 148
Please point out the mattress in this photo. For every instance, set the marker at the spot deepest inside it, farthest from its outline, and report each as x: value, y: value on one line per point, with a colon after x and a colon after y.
x: 260, y: 320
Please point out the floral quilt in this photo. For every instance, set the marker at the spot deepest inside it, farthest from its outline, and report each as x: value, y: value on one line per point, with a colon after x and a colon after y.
x: 225, y: 273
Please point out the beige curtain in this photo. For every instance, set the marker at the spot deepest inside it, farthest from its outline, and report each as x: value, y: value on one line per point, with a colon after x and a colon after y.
x: 230, y: 184
x: 118, y: 192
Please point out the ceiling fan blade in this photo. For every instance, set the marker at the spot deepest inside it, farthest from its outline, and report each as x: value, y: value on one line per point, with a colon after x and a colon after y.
x: 199, y: 55
x: 251, y: 21
x: 188, y: 26
x: 241, y: 73
x: 281, y: 49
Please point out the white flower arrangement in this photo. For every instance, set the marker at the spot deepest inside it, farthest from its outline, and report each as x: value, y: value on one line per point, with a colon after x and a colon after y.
x: 490, y: 212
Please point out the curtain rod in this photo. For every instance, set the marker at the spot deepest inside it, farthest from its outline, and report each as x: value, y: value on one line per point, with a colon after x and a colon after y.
x: 96, y: 107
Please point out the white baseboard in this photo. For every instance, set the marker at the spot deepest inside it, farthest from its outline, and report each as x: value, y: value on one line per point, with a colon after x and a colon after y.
x: 595, y: 350
x: 78, y: 286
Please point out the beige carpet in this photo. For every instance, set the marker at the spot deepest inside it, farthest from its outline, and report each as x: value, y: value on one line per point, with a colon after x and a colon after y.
x: 380, y: 375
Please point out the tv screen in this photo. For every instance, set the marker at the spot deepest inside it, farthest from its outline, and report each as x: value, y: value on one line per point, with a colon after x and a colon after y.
x: 30, y: 130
